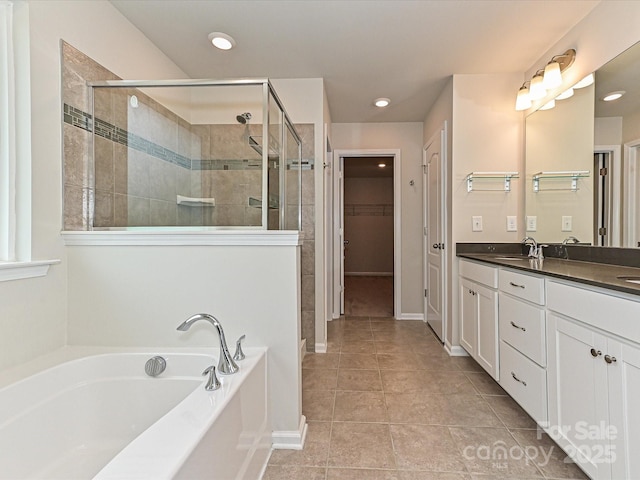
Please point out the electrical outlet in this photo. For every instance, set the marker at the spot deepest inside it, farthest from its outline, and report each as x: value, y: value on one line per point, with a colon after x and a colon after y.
x: 567, y: 222
x: 476, y: 224
x: 532, y: 223
x: 512, y: 223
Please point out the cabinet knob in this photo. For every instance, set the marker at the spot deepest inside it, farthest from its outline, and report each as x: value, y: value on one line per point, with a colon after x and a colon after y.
x: 610, y: 359
x: 595, y: 353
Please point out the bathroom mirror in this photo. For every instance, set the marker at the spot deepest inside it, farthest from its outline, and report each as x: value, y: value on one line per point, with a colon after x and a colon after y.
x: 566, y: 149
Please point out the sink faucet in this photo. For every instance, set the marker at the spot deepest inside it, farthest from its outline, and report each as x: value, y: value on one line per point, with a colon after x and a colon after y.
x: 533, y: 246
x: 571, y: 239
x: 226, y: 365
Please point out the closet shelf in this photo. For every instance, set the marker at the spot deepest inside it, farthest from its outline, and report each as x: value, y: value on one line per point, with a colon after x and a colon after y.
x: 574, y: 175
x: 505, y: 176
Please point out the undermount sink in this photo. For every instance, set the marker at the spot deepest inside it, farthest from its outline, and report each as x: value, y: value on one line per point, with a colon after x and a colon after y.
x: 630, y: 279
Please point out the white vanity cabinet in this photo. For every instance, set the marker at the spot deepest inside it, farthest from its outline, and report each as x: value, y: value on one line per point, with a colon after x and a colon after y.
x: 523, y: 355
x: 478, y: 310
x: 594, y: 379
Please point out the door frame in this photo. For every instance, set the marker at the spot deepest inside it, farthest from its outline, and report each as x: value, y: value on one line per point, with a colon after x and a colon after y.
x: 615, y: 192
x: 630, y: 196
x: 338, y: 246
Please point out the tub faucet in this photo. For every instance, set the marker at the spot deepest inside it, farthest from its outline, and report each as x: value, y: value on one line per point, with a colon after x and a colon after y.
x: 533, y: 246
x: 226, y: 365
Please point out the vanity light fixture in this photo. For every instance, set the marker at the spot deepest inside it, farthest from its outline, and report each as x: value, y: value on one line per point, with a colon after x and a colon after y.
x: 545, y: 80
x: 222, y: 40
x: 381, y: 102
x: 585, y: 82
x: 549, y: 105
x: 610, y: 97
x: 568, y: 93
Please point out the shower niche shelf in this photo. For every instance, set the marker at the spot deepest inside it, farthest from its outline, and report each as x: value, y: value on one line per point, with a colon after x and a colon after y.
x: 195, y: 201
x: 491, y: 179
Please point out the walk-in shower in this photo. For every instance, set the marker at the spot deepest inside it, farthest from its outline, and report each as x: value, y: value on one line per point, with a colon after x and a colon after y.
x: 178, y: 154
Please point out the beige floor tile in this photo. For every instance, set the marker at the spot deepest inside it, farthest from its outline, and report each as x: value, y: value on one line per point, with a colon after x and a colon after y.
x: 390, y: 347
x: 317, y: 405
x: 413, y: 475
x: 278, y: 472
x: 318, y: 432
x: 359, y: 380
x: 360, y: 407
x: 511, y: 414
x: 319, y: 379
x: 363, y: 334
x: 314, y: 454
x: 547, y: 455
x: 484, y: 383
x: 361, y: 474
x: 435, y: 361
x: 361, y: 445
x: 321, y: 360
x: 358, y: 360
x: 427, y: 381
x: 358, y: 346
x: 397, y: 361
x: 425, y: 447
x: 467, y: 364
x: 493, y: 451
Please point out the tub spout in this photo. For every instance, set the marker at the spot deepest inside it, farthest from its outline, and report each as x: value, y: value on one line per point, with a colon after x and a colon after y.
x: 226, y: 365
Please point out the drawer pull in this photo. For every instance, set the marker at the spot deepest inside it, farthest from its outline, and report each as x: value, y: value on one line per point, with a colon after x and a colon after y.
x: 516, y: 285
x: 595, y: 353
x: 518, y: 326
x: 610, y: 359
x: 518, y: 380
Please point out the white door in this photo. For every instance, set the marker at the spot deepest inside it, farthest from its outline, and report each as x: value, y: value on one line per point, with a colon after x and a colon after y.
x: 341, y: 229
x: 434, y: 270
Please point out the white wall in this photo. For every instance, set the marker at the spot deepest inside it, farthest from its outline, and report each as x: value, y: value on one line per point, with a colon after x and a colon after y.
x: 138, y: 295
x: 408, y: 138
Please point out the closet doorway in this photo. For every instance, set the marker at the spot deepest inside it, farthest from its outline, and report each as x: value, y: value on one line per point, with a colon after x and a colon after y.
x: 368, y: 226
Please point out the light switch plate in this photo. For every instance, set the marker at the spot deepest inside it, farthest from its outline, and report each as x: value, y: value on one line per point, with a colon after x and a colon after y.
x: 512, y: 223
x: 476, y: 224
x: 532, y: 223
x: 567, y: 222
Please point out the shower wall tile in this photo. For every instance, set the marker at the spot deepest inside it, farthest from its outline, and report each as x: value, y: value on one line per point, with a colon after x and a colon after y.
x: 308, y: 327
x: 307, y: 257
x: 120, y: 210
x: 73, y: 201
x: 103, y: 160
x: 120, y: 169
x: 138, y: 182
x: 76, y: 158
x: 162, y: 213
x: 162, y: 180
x: 103, y: 209
x: 138, y: 211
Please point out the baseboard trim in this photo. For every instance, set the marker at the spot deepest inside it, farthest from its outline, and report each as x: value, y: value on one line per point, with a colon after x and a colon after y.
x: 321, y: 348
x: 303, y: 348
x: 290, y: 439
x: 410, y: 316
x: 455, y: 350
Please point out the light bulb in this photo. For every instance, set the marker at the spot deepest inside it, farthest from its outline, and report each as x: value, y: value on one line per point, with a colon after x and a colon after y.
x: 585, y: 82
x: 523, y: 102
x: 536, y: 88
x: 552, y: 76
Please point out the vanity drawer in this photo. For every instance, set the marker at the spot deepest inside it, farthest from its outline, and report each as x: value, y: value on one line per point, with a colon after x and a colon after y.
x: 525, y: 381
x: 479, y: 273
x: 522, y: 325
x: 521, y: 285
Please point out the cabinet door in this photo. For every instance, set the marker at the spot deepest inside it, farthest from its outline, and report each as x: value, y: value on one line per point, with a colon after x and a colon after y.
x: 578, y: 400
x: 467, y: 309
x: 487, y: 330
x: 623, y: 374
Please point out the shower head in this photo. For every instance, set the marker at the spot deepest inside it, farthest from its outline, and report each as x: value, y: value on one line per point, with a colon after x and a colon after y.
x: 244, y: 118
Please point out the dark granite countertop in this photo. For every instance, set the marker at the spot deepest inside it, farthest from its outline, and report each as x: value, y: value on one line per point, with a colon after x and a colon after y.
x: 595, y: 272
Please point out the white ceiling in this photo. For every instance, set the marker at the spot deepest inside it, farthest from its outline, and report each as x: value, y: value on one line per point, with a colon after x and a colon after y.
x: 364, y: 49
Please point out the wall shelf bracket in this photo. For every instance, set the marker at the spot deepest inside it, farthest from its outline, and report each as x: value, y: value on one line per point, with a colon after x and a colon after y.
x: 505, y: 177
x: 573, y: 175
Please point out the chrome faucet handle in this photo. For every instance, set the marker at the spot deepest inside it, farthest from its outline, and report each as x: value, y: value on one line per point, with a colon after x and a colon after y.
x: 212, y: 382
x: 239, y: 355
x: 540, y: 253
x: 533, y: 251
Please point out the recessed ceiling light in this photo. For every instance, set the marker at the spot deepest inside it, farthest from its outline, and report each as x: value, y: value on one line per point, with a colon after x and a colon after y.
x: 609, y: 97
x: 381, y: 102
x: 382, y: 165
x: 222, y: 40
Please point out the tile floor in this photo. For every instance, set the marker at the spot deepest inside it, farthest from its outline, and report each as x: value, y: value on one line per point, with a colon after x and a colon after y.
x: 387, y: 403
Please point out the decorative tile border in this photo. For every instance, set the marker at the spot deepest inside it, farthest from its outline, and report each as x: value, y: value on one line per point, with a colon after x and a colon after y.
x: 80, y: 119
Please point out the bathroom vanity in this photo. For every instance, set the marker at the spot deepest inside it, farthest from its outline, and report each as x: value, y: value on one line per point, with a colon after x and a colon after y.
x: 566, y: 335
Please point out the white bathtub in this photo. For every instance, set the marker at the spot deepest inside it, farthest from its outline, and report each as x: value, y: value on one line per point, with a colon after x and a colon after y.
x: 100, y: 416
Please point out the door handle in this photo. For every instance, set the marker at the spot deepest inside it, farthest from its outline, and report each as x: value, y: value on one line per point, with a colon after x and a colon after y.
x: 345, y: 242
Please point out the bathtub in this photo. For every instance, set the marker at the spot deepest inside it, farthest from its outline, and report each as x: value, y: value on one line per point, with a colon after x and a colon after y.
x: 81, y: 413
